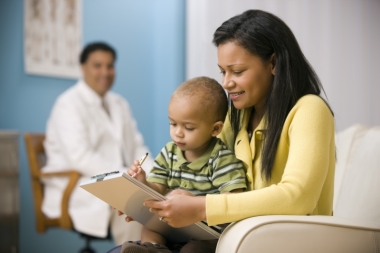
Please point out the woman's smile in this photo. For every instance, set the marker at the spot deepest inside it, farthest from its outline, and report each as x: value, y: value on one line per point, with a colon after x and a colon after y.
x: 236, y: 95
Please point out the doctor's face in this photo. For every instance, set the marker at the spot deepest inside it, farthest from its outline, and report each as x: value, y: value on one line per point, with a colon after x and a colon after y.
x: 98, y: 71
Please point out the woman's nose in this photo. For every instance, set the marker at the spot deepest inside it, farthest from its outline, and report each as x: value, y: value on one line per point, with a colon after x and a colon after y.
x: 227, y: 82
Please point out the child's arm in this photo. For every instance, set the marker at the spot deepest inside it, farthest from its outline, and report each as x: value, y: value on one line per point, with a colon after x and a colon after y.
x: 137, y: 172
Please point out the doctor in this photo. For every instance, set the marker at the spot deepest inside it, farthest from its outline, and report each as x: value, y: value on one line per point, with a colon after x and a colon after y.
x: 92, y: 130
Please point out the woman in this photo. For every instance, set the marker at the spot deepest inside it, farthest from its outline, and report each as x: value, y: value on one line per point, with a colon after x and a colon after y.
x: 278, y: 125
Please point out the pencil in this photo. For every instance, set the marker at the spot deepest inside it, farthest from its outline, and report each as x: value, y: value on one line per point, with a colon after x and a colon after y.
x: 143, y: 159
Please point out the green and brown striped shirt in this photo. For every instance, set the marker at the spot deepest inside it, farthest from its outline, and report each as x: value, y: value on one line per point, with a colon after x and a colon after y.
x: 216, y: 171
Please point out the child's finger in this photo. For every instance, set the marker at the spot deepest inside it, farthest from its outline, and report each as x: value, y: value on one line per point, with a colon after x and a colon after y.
x: 133, y: 170
x: 128, y: 219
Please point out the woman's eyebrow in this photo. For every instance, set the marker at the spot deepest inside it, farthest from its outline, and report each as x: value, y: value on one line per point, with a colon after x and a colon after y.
x: 231, y: 65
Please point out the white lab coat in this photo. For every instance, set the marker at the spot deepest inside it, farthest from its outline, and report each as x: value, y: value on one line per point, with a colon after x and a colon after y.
x: 81, y: 136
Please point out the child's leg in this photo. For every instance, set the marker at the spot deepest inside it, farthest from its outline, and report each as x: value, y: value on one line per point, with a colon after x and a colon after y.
x: 150, y: 242
x: 153, y: 237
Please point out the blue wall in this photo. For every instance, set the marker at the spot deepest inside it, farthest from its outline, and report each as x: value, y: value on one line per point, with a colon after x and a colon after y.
x: 149, y: 37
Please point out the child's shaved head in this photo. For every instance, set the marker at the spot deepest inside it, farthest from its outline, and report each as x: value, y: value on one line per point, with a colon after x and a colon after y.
x: 206, y: 92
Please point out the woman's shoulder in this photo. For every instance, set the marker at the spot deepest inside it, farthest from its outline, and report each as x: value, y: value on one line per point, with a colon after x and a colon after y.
x: 313, y: 103
x: 311, y: 99
x: 311, y: 109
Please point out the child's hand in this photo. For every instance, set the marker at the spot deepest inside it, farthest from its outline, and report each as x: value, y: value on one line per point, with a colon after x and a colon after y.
x: 127, y: 218
x: 179, y: 192
x: 137, y: 172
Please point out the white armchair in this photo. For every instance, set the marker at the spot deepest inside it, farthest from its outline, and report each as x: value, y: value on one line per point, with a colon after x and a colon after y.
x: 355, y: 226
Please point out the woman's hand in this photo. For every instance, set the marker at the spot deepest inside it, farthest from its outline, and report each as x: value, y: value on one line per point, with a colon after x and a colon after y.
x: 180, y: 209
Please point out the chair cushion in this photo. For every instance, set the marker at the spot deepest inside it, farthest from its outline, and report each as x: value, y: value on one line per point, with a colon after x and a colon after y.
x: 357, y: 177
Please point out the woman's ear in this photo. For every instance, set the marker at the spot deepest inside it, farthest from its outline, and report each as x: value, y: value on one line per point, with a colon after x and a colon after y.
x: 272, y: 61
x: 217, y: 128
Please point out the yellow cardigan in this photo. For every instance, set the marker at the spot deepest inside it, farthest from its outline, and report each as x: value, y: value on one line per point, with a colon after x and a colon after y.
x: 302, y: 179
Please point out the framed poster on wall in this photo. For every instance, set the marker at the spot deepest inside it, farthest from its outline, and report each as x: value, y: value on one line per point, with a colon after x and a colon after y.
x: 52, y: 37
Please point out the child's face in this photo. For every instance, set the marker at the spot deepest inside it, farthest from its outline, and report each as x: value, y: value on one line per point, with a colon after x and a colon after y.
x: 190, y: 125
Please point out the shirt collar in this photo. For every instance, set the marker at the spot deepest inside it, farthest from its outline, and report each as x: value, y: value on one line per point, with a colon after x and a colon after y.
x: 201, y: 161
x: 89, y: 94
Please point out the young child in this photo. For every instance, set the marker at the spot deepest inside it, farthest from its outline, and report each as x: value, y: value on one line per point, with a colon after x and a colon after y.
x: 195, y: 160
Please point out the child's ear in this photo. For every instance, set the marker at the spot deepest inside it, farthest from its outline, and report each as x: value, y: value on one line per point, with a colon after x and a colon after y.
x: 218, y: 126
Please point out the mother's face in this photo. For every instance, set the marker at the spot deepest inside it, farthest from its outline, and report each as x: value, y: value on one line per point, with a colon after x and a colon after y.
x: 246, y: 77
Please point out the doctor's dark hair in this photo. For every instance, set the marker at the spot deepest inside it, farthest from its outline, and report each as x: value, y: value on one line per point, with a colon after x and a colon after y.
x: 95, y: 46
x: 263, y: 34
x: 208, y: 93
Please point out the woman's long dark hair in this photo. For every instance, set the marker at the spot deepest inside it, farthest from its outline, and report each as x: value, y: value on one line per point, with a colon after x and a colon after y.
x: 263, y: 34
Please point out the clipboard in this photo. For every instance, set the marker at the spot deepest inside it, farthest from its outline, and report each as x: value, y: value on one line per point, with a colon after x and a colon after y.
x: 127, y: 194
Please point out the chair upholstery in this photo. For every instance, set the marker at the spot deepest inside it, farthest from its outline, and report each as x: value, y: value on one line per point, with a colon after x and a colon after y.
x: 355, y: 226
x: 36, y: 158
x: 357, y: 182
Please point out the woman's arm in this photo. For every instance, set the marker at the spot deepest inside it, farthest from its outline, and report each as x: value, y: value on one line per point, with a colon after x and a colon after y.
x: 303, y: 174
x: 181, y: 208
x: 311, y: 158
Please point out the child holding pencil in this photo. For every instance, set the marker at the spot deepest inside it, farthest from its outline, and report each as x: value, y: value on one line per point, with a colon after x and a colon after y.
x: 195, y: 161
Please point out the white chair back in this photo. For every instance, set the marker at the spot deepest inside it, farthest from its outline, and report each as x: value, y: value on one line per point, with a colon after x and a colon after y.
x: 357, y: 174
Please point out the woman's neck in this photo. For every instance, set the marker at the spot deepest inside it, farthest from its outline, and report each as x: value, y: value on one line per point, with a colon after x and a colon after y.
x: 254, y: 120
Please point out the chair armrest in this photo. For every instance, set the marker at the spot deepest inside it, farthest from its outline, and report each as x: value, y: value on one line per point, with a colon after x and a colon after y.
x: 299, y: 234
x: 65, y: 220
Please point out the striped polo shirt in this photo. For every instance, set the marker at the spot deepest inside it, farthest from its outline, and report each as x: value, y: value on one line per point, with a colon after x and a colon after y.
x: 216, y: 171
